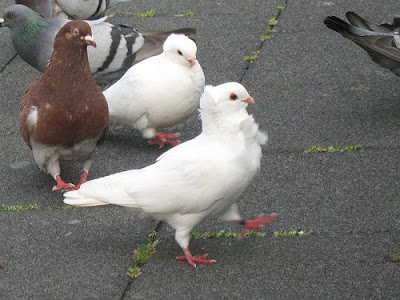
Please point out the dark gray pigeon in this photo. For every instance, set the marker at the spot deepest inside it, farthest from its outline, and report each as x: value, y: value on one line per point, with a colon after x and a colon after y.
x: 118, y: 46
x: 381, y: 41
x: 71, y: 9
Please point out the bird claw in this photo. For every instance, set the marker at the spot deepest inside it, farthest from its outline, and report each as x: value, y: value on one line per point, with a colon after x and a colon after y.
x: 66, y: 187
x: 192, y: 260
x: 61, y: 185
x: 164, y: 139
x: 161, y: 144
x: 256, y: 224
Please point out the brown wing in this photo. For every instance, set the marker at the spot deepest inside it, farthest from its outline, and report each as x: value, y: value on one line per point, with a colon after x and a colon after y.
x: 24, y: 107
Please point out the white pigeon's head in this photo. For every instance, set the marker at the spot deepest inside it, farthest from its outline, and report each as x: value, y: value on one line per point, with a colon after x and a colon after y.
x: 180, y: 49
x: 231, y: 96
x: 223, y: 107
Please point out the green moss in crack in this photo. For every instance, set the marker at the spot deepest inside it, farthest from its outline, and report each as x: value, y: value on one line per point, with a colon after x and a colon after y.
x: 273, y: 22
x: 280, y: 8
x: 147, y: 14
x: 335, y: 148
x: 284, y: 233
x: 251, y: 58
x: 22, y: 207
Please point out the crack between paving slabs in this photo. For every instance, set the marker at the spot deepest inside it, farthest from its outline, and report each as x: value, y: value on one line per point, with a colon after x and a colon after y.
x: 270, y: 31
x: 9, y: 62
x: 153, y: 238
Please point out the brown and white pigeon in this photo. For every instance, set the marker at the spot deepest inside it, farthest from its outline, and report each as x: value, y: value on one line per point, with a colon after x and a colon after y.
x: 381, y: 41
x: 200, y: 178
x: 161, y: 91
x: 64, y: 115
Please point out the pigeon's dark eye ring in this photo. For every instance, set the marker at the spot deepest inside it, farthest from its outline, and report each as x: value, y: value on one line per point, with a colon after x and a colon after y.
x: 75, y: 31
x: 10, y: 15
x: 179, y: 52
x: 233, y: 96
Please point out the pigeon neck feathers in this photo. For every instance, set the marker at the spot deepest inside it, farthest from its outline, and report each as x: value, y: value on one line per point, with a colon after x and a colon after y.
x: 69, y: 58
x: 29, y: 27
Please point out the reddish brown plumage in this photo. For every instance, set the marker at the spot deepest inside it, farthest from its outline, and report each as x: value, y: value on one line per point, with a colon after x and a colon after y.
x: 70, y: 106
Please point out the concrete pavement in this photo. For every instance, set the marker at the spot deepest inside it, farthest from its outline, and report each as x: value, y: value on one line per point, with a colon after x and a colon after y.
x: 312, y: 87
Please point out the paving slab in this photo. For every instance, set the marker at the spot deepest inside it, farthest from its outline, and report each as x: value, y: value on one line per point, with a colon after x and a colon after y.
x: 68, y: 253
x: 314, y: 267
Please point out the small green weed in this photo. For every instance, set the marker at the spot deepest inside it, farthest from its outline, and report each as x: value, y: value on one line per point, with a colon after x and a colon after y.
x: 143, y: 253
x: 22, y: 207
x: 335, y: 148
x: 224, y: 234
x: 294, y: 84
x: 213, y: 234
x: 141, y: 256
x: 291, y: 233
x: 272, y: 22
x: 251, y: 58
x: 280, y: 8
x: 134, y: 272
x: 187, y: 14
x: 148, y: 14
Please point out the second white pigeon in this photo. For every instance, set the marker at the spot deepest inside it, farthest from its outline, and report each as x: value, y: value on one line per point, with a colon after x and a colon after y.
x: 200, y: 178
x: 159, y: 92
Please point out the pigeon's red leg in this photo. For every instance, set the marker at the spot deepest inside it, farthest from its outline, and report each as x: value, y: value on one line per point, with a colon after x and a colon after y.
x: 162, y: 139
x: 81, y: 181
x: 192, y: 260
x: 256, y: 224
x: 61, y: 185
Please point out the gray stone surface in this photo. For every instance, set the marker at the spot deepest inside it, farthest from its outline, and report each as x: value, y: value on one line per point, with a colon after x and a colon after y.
x: 312, y: 87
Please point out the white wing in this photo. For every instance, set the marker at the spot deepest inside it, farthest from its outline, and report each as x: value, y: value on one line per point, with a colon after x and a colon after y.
x: 189, y: 178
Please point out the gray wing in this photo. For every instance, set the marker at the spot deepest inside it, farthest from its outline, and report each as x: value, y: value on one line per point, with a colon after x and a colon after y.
x: 377, y: 40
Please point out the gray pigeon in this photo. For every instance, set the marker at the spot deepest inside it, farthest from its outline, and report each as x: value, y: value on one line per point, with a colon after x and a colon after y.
x: 118, y: 46
x: 381, y: 41
x: 71, y: 9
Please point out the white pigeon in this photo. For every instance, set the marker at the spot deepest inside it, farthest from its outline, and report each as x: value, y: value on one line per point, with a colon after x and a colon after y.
x: 161, y: 91
x: 200, y: 178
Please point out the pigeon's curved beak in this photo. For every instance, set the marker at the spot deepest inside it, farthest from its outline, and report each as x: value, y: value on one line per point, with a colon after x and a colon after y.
x: 249, y: 100
x: 1, y: 22
x: 89, y: 40
x: 192, y: 60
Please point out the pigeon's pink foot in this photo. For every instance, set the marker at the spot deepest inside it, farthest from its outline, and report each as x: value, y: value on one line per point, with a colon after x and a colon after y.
x: 62, y: 186
x: 81, y: 181
x: 256, y: 224
x: 192, y: 260
x: 163, y: 139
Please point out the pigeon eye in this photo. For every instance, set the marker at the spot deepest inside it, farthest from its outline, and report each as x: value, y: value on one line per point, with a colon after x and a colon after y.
x: 233, y: 96
x: 179, y: 52
x: 75, y: 31
x: 10, y: 15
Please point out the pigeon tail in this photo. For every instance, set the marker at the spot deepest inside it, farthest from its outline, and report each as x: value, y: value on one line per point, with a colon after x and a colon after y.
x: 76, y: 199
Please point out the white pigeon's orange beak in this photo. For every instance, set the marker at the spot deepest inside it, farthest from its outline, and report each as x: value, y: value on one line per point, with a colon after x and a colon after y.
x: 89, y: 40
x: 249, y: 100
x: 192, y: 60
